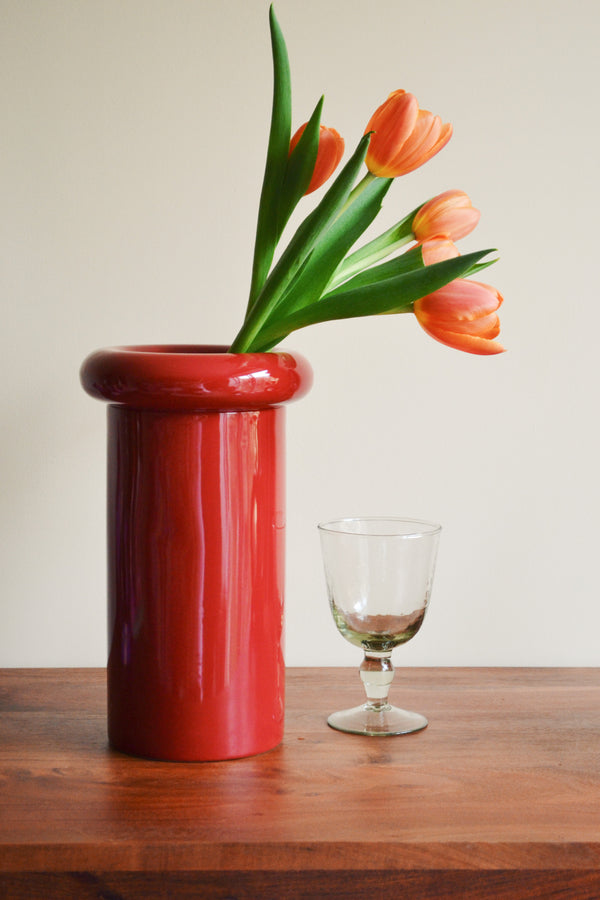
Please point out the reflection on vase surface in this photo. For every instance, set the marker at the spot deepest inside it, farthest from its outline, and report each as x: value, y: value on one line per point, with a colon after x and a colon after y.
x: 196, y: 536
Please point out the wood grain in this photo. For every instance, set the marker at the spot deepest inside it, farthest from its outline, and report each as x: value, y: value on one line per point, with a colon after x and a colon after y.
x: 499, y: 796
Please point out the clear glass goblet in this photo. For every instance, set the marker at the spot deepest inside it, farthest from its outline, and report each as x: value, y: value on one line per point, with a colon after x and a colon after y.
x: 379, y: 573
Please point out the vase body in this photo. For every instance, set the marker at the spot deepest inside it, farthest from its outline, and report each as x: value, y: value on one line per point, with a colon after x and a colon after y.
x: 196, y: 547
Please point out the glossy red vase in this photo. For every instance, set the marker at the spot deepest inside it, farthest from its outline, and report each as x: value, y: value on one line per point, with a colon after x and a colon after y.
x: 196, y: 530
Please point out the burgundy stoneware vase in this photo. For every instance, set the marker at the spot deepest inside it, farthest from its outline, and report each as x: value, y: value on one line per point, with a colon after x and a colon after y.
x: 196, y: 531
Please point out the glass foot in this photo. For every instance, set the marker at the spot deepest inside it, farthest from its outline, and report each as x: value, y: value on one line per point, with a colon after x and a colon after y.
x: 377, y: 720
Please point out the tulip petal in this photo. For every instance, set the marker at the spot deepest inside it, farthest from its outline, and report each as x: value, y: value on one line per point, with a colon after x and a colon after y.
x: 469, y: 343
x: 450, y: 214
x: 404, y: 136
x: 423, y: 136
x: 394, y: 121
x: 438, y: 248
x: 486, y: 326
x: 392, y: 124
x: 331, y: 150
x: 423, y: 144
x: 460, y: 300
x: 462, y: 314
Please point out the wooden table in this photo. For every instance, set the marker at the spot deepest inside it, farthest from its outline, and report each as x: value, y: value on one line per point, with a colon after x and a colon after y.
x: 499, y: 797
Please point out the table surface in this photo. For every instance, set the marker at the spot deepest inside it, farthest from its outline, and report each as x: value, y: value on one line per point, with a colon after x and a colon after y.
x: 499, y: 796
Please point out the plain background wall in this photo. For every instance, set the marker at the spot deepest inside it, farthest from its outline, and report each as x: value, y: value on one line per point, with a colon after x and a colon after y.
x: 133, y: 141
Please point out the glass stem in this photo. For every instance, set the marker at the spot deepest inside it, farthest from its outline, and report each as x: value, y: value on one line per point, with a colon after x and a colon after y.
x: 377, y: 674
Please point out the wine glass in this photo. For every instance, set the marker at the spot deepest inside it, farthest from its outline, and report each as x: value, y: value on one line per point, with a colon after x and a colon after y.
x: 379, y: 573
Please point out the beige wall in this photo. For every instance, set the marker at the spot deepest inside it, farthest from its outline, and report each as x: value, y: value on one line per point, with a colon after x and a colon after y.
x: 133, y: 137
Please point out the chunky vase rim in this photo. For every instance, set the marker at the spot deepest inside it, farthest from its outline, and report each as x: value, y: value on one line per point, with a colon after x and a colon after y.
x: 184, y: 350
x: 194, y: 377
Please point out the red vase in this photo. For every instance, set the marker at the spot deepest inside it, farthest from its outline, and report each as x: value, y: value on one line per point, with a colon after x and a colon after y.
x: 196, y: 526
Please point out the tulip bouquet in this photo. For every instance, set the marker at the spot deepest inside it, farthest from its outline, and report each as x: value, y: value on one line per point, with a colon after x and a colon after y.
x: 318, y: 277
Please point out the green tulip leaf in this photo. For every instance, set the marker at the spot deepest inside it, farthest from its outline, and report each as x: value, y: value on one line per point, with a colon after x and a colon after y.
x: 394, y: 294
x: 298, y: 250
x: 300, y: 168
x: 312, y: 280
x: 267, y: 230
x: 478, y: 267
x: 406, y: 262
x: 380, y: 247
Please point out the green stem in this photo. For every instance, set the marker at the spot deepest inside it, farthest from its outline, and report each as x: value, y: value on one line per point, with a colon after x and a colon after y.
x: 360, y: 261
x: 355, y: 192
x: 255, y: 320
x: 380, y: 247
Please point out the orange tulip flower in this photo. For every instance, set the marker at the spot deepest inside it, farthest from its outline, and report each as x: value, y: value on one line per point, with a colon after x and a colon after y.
x: 438, y: 249
x: 462, y: 315
x: 331, y: 150
x: 404, y: 136
x: 450, y: 214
